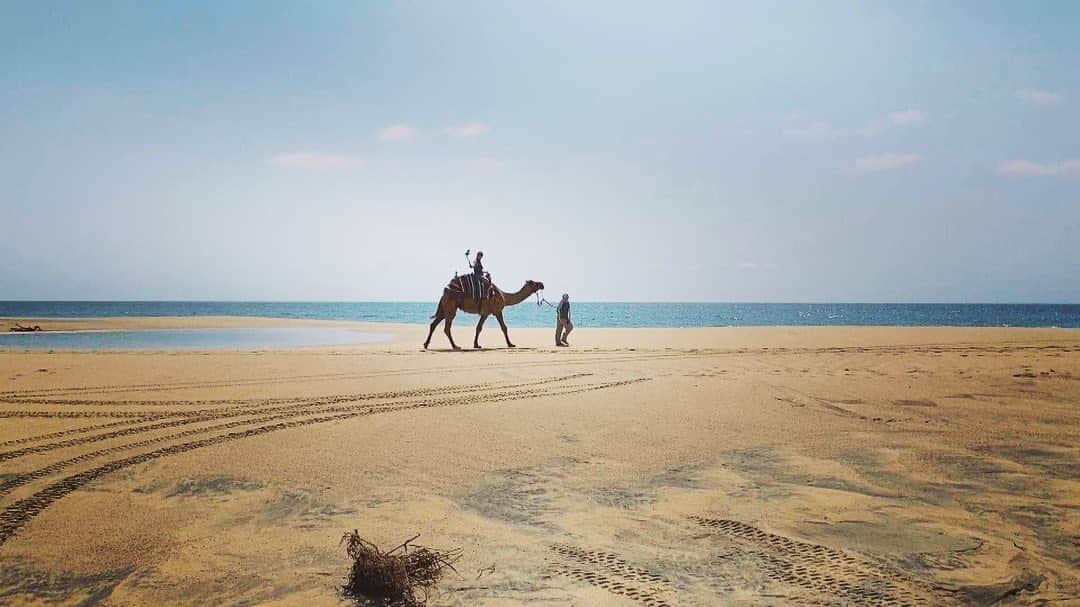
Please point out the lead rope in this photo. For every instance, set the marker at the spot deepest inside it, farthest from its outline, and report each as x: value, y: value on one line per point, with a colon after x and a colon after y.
x: 541, y: 301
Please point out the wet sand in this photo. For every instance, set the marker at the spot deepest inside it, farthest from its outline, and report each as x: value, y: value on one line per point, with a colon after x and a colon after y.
x: 764, y: 466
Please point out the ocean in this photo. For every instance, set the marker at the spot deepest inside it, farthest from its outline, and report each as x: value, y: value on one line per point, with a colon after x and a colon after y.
x: 591, y: 314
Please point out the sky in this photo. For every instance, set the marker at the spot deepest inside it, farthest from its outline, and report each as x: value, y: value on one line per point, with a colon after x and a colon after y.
x: 623, y: 151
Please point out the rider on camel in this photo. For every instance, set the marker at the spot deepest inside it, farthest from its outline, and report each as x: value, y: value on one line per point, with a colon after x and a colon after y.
x: 478, y: 265
x: 478, y: 272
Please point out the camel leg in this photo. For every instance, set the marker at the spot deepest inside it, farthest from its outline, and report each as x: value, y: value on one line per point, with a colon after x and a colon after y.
x: 434, y: 323
x: 479, y: 326
x: 449, y: 323
x: 502, y: 323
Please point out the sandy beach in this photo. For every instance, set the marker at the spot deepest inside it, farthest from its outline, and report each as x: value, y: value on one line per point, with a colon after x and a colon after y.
x: 727, y: 466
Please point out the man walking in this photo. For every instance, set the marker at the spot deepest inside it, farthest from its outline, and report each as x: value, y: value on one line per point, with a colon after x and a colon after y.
x: 563, y: 327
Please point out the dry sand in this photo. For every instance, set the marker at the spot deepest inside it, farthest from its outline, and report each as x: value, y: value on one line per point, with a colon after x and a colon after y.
x: 773, y: 466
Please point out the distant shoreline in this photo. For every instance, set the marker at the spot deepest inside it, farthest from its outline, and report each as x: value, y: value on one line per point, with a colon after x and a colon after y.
x: 409, y: 336
x: 591, y: 314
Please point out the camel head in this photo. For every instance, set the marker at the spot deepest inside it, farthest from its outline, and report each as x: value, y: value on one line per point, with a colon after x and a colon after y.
x: 534, y: 286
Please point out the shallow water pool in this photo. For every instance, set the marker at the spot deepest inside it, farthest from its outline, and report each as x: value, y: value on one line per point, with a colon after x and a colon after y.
x: 189, y: 339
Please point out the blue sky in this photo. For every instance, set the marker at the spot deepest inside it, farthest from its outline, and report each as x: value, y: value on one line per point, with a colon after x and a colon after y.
x: 713, y: 151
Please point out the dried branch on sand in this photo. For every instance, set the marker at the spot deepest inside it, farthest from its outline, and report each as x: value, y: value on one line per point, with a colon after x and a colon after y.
x: 392, y: 579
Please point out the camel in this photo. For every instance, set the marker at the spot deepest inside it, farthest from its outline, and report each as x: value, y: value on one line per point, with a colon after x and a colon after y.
x: 453, y: 300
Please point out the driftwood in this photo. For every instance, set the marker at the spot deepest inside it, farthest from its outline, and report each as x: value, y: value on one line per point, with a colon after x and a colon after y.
x: 392, y: 579
x: 21, y: 329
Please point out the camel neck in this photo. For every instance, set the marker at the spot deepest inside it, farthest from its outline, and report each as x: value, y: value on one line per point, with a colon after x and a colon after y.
x: 512, y: 299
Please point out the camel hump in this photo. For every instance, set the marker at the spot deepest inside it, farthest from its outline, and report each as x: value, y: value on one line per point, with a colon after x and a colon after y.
x: 470, y: 286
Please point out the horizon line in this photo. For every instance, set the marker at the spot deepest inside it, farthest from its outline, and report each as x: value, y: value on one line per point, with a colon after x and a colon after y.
x: 598, y: 301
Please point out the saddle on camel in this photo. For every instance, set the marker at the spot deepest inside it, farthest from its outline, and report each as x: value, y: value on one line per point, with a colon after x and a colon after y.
x: 471, y: 286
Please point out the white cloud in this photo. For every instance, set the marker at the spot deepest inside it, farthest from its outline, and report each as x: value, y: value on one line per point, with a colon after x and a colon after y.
x: 1036, y: 97
x: 907, y: 117
x: 397, y: 132
x: 472, y: 129
x: 315, y: 161
x: 817, y: 131
x: 1026, y: 168
x: 885, y: 162
x: 823, y: 131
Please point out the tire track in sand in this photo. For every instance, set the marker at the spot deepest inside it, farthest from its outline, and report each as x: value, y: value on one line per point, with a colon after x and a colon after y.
x: 828, y: 572
x: 205, y: 403
x: 69, y: 432
x: 21, y: 479
x: 329, y: 398
x: 203, y: 415
x: 18, y: 514
x: 612, y: 573
x: 23, y: 396
x: 607, y: 356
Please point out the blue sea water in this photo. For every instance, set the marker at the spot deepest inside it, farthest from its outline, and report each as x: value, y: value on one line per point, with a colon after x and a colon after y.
x: 591, y: 314
x: 188, y: 339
